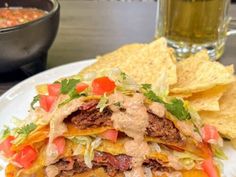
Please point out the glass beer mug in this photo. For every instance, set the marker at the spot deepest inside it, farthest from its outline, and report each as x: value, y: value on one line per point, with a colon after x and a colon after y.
x: 193, y: 25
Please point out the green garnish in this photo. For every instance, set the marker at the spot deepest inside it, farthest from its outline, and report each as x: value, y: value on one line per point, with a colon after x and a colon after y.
x: 118, y: 104
x: 218, y: 152
x: 150, y: 94
x: 23, y: 133
x: 146, y: 87
x: 35, y: 100
x: 175, y: 107
x: 68, y: 85
x: 73, y: 95
x: 5, y: 133
x: 27, y: 129
x: 123, y: 75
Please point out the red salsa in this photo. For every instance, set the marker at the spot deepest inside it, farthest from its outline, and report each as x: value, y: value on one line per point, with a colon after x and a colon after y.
x: 15, y: 16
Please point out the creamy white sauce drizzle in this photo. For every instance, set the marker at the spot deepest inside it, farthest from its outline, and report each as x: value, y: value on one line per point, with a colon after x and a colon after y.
x: 157, y: 109
x: 133, y: 121
x: 57, y: 127
x: 51, y: 171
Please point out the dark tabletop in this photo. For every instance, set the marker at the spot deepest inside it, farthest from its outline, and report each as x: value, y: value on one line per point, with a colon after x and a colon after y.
x: 91, y: 28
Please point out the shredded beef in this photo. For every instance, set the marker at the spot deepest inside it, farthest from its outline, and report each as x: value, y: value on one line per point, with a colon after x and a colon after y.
x: 89, y: 116
x: 112, y: 164
x: 162, y: 128
x: 156, y: 166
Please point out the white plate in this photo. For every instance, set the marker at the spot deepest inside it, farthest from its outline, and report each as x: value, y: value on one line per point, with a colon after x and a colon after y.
x: 15, y: 102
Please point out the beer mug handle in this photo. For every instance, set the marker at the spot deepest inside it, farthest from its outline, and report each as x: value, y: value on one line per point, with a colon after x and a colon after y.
x: 232, y: 27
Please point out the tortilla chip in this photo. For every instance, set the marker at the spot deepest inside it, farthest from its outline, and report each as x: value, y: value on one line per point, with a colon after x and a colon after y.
x: 233, y: 142
x: 172, y: 54
x: 114, y: 58
x: 225, y: 119
x: 230, y: 69
x: 180, y: 95
x: 145, y: 65
x: 198, y: 73
x: 207, y: 100
x: 203, y: 54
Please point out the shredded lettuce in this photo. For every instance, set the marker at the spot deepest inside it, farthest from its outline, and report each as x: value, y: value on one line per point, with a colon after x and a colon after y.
x: 17, y: 121
x: 89, y: 144
x: 95, y: 144
x: 155, y: 147
x: 123, y: 82
x: 161, y: 87
x: 187, y: 159
x: 89, y: 76
x: 195, y: 119
x: 4, y: 133
x: 103, y: 102
x: 218, y: 152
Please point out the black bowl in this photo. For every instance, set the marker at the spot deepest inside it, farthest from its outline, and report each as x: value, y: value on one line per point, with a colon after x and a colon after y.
x: 28, y: 43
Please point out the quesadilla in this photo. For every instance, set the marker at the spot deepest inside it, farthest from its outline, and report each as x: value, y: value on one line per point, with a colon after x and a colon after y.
x: 105, y: 124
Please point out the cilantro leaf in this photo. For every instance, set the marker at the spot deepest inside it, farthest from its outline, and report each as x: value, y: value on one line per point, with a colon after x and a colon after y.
x: 146, y: 87
x: 27, y: 129
x: 23, y: 133
x: 153, y: 97
x: 68, y: 85
x: 123, y: 75
x: 150, y: 94
x: 35, y: 100
x: 118, y: 104
x: 73, y: 94
x: 176, y: 107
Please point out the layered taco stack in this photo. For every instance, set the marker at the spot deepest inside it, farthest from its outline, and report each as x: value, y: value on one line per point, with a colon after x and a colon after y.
x: 105, y: 125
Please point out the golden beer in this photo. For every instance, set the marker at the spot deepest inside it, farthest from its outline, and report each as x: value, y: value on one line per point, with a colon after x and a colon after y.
x: 191, y: 25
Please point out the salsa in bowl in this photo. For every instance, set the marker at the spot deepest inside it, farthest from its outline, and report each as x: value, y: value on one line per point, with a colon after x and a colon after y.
x: 13, y: 16
x: 28, y: 30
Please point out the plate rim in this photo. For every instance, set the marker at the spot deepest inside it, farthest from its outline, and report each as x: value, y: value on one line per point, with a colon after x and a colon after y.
x: 11, y: 89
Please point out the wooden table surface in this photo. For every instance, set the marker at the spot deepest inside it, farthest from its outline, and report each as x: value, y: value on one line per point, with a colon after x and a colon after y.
x: 91, y: 28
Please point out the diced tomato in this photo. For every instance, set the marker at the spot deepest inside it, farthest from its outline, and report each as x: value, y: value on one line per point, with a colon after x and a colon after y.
x: 46, y: 102
x: 110, y: 135
x: 206, y: 151
x: 209, y: 168
x: 103, y: 85
x: 25, y: 157
x: 6, y: 145
x: 80, y: 87
x: 60, y: 144
x: 210, y: 133
x: 54, y: 89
